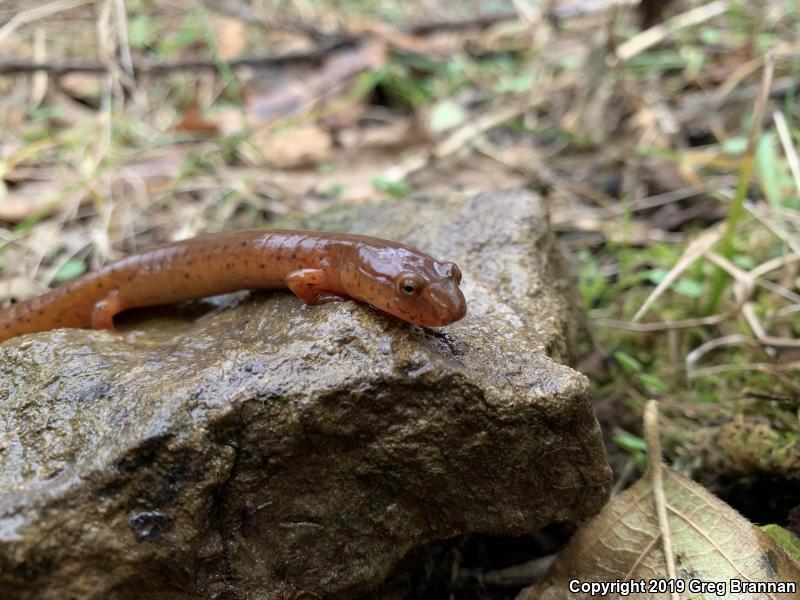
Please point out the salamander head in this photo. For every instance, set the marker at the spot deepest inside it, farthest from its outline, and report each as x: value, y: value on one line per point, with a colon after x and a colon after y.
x: 406, y: 283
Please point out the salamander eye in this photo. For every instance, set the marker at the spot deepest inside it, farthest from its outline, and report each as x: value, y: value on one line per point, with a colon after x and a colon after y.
x: 408, y: 285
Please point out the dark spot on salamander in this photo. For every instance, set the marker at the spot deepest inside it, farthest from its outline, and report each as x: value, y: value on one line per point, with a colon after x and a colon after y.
x: 226, y: 246
x: 186, y: 276
x: 244, y: 244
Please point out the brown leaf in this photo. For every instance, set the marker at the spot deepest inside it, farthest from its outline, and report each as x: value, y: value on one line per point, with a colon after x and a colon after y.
x: 294, y: 147
x: 711, y: 542
x: 37, y: 197
x: 17, y: 288
x: 299, y: 96
x: 193, y: 121
x: 86, y: 87
x: 400, y: 132
x: 230, y: 35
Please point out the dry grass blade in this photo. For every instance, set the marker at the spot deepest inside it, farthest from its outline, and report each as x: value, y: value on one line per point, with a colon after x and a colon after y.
x: 655, y: 472
x: 747, y: 69
x: 694, y: 251
x: 764, y: 218
x: 788, y: 147
x: 693, y: 357
x: 650, y: 37
x: 744, y: 290
x: 40, y: 12
x: 774, y: 263
x: 768, y: 368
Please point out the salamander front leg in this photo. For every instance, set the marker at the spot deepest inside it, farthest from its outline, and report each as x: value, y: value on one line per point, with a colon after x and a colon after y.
x: 104, y: 310
x: 309, y: 286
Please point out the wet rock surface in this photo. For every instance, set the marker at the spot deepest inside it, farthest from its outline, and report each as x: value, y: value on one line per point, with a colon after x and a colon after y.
x: 258, y: 447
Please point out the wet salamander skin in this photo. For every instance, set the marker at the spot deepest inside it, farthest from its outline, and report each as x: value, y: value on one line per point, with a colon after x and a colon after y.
x: 317, y: 267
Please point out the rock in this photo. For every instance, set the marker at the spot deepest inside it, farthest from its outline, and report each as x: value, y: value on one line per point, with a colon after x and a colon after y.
x: 259, y: 447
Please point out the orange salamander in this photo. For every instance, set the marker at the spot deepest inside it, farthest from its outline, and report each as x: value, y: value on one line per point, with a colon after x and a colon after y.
x: 317, y: 267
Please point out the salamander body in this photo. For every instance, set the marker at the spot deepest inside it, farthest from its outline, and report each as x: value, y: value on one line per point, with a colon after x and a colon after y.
x: 317, y: 267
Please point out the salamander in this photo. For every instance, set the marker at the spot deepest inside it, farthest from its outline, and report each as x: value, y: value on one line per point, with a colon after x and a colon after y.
x: 317, y: 267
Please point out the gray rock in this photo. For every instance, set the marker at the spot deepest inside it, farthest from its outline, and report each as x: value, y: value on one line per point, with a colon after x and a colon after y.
x: 261, y: 447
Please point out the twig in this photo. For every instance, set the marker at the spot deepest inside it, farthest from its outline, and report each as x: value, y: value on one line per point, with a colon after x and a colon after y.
x: 333, y: 42
x: 248, y: 15
x: 555, y: 10
x: 662, y: 199
x: 9, y: 66
x: 655, y: 472
x: 460, y: 23
x: 761, y: 367
x: 665, y: 325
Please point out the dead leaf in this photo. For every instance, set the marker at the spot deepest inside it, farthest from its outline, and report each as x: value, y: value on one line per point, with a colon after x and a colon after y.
x: 268, y: 101
x: 230, y: 35
x: 446, y: 115
x: 193, y: 121
x: 86, y: 87
x: 294, y: 147
x: 17, y: 288
x: 231, y: 120
x: 711, y: 541
x: 400, y: 132
x: 666, y: 523
x: 37, y: 197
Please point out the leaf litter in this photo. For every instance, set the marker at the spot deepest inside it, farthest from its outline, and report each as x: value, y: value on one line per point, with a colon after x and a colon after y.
x: 665, y: 527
